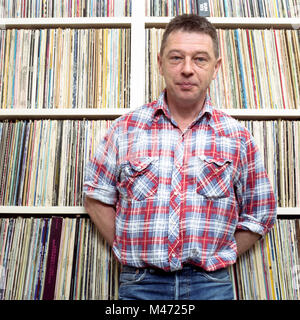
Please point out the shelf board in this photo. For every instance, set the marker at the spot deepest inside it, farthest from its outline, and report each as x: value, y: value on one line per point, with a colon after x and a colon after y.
x: 28, y: 210
x: 79, y: 210
x: 288, y: 211
x: 61, y: 113
x: 77, y: 22
x: 149, y: 22
x: 264, y: 114
x: 109, y: 114
x: 234, y: 22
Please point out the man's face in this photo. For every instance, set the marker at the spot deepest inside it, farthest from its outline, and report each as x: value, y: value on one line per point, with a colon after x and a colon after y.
x: 188, y: 65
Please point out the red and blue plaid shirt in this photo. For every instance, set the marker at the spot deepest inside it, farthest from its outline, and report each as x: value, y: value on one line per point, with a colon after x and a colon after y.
x: 180, y: 196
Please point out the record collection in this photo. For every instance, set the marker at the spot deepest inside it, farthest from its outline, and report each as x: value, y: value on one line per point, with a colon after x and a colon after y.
x: 42, y: 161
x: 226, y: 8
x: 64, y: 68
x: 260, y: 69
x: 55, y: 258
x: 64, y: 8
x: 67, y: 259
x: 270, y: 270
x: 278, y: 142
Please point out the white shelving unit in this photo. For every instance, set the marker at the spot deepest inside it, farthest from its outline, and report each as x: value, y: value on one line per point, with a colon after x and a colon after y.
x: 78, y: 210
x: 137, y: 23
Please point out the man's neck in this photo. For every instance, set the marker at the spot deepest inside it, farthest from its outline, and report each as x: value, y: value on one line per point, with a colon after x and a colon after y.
x: 184, y: 116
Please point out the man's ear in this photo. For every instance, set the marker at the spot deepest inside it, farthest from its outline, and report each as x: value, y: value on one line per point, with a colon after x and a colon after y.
x: 217, y: 67
x: 159, y: 62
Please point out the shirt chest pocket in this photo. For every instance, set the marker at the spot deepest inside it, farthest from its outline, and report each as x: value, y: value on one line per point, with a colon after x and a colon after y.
x: 214, y: 177
x: 139, y: 178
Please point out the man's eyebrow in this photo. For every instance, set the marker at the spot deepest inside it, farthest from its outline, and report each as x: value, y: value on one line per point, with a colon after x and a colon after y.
x: 174, y: 51
x: 194, y: 53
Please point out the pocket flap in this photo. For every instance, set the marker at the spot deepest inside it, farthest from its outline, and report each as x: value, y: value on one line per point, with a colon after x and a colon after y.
x: 217, y: 161
x: 139, y: 164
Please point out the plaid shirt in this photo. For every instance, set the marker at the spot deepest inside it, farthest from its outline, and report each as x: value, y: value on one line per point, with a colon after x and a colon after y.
x: 180, y: 196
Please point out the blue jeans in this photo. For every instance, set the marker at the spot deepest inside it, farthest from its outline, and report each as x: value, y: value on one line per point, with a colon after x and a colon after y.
x: 190, y: 283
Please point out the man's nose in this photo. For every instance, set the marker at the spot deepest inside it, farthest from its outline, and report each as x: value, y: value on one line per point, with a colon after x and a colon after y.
x: 187, y: 67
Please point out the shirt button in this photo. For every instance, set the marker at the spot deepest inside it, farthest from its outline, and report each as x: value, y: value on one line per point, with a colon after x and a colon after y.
x: 195, y: 252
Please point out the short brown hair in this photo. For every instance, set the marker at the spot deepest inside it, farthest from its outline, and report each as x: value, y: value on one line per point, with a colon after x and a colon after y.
x: 191, y: 23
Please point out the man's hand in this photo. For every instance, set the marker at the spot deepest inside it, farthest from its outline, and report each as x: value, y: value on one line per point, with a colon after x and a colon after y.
x: 245, y: 240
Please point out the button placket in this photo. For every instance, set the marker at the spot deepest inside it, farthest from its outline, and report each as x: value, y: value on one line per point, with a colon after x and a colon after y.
x: 175, y: 204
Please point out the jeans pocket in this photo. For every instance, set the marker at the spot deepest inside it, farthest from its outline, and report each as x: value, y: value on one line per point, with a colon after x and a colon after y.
x: 221, y: 275
x: 132, y: 276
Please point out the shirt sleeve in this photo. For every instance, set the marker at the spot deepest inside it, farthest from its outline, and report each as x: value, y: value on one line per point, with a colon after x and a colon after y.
x: 101, y: 170
x: 255, y: 195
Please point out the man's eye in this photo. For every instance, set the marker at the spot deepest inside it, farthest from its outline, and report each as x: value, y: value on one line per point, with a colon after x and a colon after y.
x: 200, y: 60
x: 176, y: 58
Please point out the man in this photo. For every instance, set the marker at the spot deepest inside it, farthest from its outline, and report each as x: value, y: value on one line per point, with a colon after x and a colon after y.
x: 178, y: 188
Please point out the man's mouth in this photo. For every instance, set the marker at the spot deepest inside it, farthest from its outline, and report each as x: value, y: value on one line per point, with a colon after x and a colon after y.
x: 186, y: 85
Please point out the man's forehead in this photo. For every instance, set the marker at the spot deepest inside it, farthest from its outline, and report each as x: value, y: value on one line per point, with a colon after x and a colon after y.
x: 178, y: 40
x: 181, y: 33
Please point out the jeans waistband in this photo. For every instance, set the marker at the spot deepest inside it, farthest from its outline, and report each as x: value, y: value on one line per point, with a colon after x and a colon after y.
x: 127, y: 268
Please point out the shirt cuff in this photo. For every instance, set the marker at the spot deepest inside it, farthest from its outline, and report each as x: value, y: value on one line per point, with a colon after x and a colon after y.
x: 252, y: 225
x: 105, y: 195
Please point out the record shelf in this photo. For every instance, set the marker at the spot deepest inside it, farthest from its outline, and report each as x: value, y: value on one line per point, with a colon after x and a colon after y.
x: 138, y: 23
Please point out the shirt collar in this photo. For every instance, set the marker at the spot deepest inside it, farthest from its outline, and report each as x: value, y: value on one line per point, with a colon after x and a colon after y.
x: 162, y: 106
